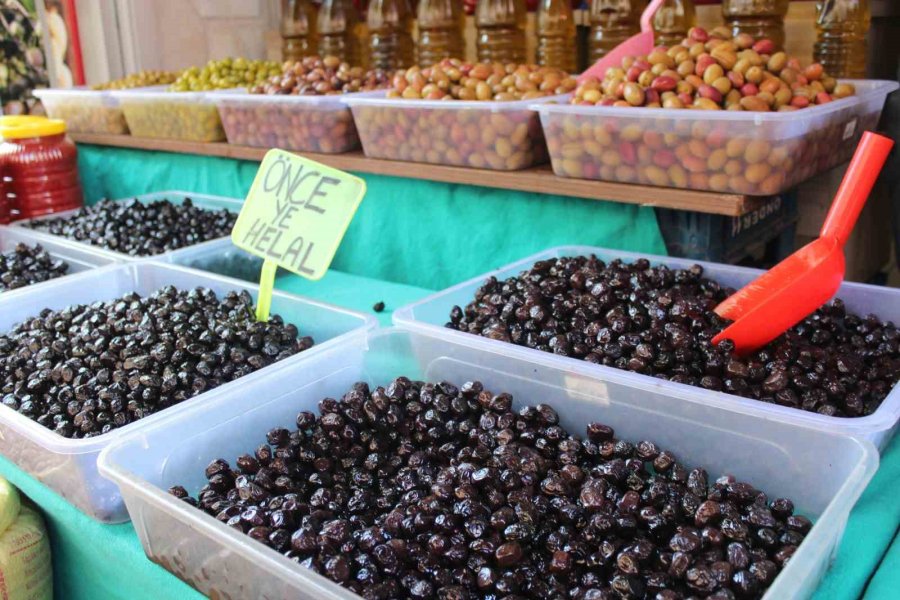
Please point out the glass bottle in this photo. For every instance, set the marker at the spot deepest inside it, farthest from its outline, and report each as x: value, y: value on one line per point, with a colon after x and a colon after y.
x: 390, y: 34
x: 672, y: 21
x: 337, y: 28
x: 556, y: 35
x: 441, y: 24
x: 759, y: 18
x: 298, y: 29
x: 612, y: 22
x: 841, y: 27
x: 501, y: 31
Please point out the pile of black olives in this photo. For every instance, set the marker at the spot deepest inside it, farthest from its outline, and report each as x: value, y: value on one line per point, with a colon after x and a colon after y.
x: 26, y: 264
x: 422, y: 490
x: 660, y: 322
x: 139, y: 229
x: 85, y: 370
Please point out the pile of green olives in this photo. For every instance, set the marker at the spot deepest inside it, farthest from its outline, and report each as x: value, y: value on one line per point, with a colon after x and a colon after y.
x: 226, y: 73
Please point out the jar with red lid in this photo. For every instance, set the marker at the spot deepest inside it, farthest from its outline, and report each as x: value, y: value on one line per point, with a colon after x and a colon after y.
x: 40, y: 166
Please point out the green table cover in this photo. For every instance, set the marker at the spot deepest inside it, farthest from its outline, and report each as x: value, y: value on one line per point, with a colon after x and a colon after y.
x: 408, y: 231
x: 408, y: 235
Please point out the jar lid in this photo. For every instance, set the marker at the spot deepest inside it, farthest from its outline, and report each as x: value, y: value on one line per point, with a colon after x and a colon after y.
x: 16, y: 127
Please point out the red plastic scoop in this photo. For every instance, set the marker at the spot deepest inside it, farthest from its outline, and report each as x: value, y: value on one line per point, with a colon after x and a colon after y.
x: 636, y: 45
x: 794, y: 288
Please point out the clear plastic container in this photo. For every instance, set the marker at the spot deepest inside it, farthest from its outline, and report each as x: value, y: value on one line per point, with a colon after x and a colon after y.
x: 78, y: 257
x: 842, y: 28
x: 672, y: 21
x: 441, y: 31
x: 556, y: 45
x: 84, y: 110
x: 759, y: 18
x: 824, y: 473
x: 431, y: 314
x: 751, y: 153
x: 69, y: 466
x: 338, y: 27
x: 157, y: 113
x: 218, y: 256
x: 612, y: 22
x: 503, y: 136
x: 298, y: 29
x: 390, y: 24
x: 500, y: 31
x: 304, y: 123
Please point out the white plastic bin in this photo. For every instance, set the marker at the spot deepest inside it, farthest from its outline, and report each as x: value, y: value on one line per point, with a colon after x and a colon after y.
x: 77, y: 257
x: 301, y: 123
x: 822, y: 472
x: 84, y: 110
x: 217, y: 256
x: 158, y: 113
x: 69, y: 466
x: 431, y: 314
x: 724, y: 151
x: 503, y: 136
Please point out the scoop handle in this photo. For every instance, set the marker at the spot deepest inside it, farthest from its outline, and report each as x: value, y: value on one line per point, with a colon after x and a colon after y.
x: 856, y: 185
x: 647, y: 15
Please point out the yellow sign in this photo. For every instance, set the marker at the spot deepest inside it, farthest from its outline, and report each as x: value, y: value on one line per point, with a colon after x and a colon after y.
x: 294, y: 217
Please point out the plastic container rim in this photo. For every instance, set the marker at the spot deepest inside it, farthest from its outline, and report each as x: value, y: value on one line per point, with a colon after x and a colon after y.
x: 491, y: 105
x: 56, y: 443
x: 274, y: 562
x: 878, y: 86
x: 234, y: 96
x: 883, y: 418
x: 235, y: 205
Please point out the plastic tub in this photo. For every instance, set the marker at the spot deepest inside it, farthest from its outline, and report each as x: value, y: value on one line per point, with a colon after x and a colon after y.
x: 724, y: 151
x: 76, y: 256
x: 84, y: 110
x: 503, y: 136
x: 303, y: 123
x: 69, y: 466
x: 157, y: 113
x: 217, y: 256
x: 824, y: 473
x: 432, y: 313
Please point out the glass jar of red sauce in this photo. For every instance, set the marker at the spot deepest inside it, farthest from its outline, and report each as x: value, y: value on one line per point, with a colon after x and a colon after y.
x: 40, y: 166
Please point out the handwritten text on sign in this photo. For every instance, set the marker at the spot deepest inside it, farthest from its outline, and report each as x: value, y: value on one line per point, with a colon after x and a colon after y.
x: 297, y: 212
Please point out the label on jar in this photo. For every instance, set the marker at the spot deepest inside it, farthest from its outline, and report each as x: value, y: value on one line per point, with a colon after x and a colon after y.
x: 297, y: 212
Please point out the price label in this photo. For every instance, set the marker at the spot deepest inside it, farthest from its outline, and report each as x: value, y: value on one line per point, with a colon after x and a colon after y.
x: 295, y: 217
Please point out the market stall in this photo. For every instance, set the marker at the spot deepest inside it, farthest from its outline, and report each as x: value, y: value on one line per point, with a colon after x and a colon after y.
x: 373, y: 322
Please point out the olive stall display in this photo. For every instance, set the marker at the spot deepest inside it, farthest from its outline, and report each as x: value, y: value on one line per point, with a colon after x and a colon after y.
x: 461, y: 114
x: 183, y: 111
x: 658, y: 119
x: 659, y: 322
x: 27, y: 264
x: 145, y: 78
x: 140, y: 229
x: 299, y: 109
x: 91, y: 110
x: 86, y: 370
x: 428, y: 490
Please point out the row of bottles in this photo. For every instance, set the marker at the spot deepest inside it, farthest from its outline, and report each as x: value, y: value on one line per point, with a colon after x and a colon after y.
x: 384, y: 38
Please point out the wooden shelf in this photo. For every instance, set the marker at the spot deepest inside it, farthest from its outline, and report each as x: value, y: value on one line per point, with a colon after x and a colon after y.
x: 537, y: 179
